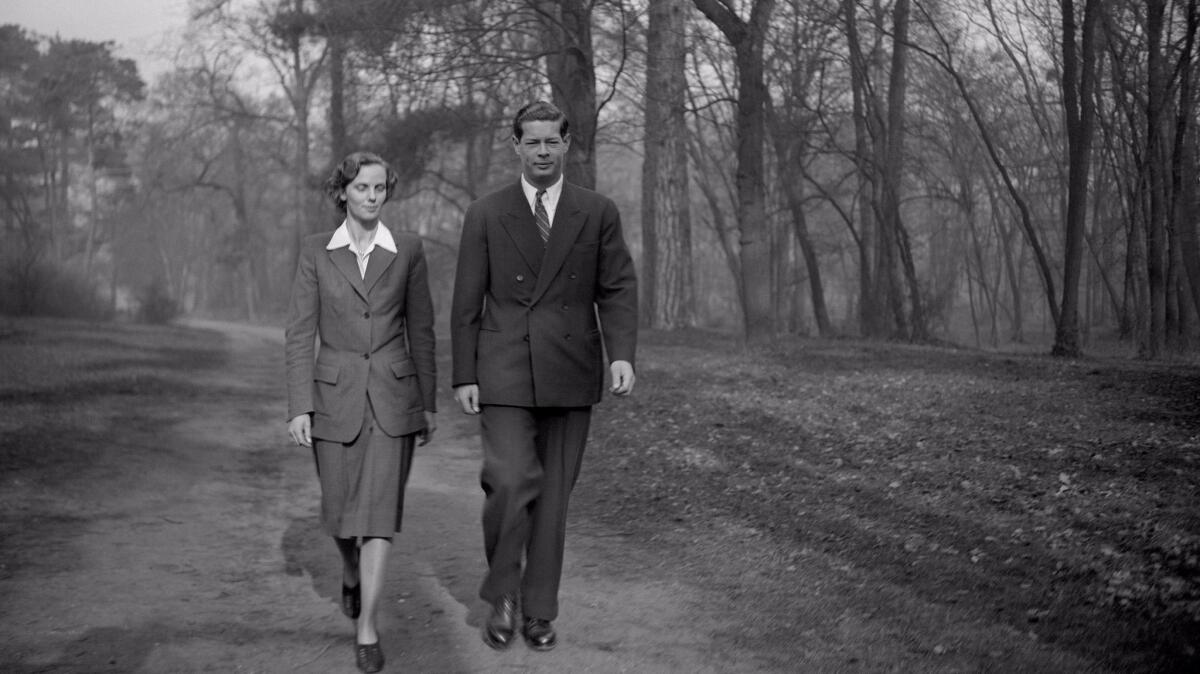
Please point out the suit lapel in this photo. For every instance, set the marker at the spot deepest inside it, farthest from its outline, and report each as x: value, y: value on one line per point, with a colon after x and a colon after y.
x: 568, y: 222
x: 344, y: 260
x: 518, y: 222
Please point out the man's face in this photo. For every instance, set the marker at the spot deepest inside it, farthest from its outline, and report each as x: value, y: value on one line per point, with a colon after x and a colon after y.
x: 366, y: 193
x: 542, y: 151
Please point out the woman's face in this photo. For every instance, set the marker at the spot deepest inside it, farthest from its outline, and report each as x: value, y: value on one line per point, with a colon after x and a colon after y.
x: 366, y: 193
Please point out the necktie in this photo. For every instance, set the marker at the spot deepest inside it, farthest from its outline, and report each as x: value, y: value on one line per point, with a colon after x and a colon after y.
x: 543, y: 219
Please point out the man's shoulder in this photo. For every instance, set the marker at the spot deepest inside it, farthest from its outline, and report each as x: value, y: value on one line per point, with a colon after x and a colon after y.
x: 498, y: 196
x: 585, y: 198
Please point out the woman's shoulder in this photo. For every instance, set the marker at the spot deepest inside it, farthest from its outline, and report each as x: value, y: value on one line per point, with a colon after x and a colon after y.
x: 316, y: 241
x: 404, y: 239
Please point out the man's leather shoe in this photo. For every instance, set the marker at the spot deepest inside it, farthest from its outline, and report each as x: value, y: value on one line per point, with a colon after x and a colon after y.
x: 368, y: 657
x: 539, y: 634
x: 500, y: 625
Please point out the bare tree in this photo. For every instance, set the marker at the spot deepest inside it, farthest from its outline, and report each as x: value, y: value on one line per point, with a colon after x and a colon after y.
x: 892, y: 231
x: 748, y: 38
x: 793, y: 123
x: 866, y: 129
x: 1078, y: 84
x: 996, y: 155
x: 571, y: 70
x: 284, y: 35
x: 667, y: 281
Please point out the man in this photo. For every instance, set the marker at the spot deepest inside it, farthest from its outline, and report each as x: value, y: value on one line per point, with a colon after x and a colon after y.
x: 545, y: 285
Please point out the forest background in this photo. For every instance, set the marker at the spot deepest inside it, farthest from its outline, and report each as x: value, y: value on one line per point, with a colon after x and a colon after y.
x: 1008, y: 175
x: 982, y: 172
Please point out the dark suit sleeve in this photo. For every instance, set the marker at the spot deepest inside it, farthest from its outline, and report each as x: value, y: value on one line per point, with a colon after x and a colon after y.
x: 616, y: 289
x: 419, y: 316
x: 300, y: 335
x: 470, y: 285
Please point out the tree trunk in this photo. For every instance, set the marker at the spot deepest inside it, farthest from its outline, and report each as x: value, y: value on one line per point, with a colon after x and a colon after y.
x: 1186, y: 204
x: 255, y: 278
x: 868, y: 313
x: 93, y: 196
x: 337, y: 98
x: 893, y: 169
x: 722, y: 232
x: 1183, y: 173
x: 747, y: 38
x: 1136, y: 280
x: 789, y: 145
x: 816, y: 288
x: 1078, y: 81
x: 1154, y: 181
x: 986, y: 291
x: 668, y: 284
x: 572, y: 73
x: 62, y: 200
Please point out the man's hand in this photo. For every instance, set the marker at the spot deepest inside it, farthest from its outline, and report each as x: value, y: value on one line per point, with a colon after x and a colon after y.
x: 300, y: 428
x: 467, y: 396
x: 622, y: 377
x: 424, y: 436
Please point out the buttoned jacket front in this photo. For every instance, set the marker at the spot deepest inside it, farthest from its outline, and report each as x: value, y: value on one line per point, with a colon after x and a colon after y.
x: 531, y: 322
x: 352, y: 338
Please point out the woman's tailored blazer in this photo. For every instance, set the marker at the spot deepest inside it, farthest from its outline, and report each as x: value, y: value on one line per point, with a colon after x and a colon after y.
x: 530, y: 322
x: 351, y: 339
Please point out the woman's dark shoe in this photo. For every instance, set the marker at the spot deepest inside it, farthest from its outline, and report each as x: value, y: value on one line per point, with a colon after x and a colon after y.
x: 368, y: 657
x: 352, y: 601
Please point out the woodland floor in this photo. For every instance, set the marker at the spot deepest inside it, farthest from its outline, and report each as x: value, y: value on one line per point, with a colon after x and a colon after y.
x: 1055, y: 499
x: 812, y: 506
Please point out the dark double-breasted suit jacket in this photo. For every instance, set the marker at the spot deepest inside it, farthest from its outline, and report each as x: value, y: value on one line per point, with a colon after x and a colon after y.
x: 530, y: 322
x: 376, y: 339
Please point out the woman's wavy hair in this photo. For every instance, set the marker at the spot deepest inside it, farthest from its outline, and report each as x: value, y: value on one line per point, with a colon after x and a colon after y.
x: 347, y: 170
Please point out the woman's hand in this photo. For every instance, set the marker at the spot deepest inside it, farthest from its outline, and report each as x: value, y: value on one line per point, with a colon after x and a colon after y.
x: 300, y: 428
x: 424, y: 436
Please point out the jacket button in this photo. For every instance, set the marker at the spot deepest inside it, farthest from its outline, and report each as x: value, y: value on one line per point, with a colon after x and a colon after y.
x: 565, y: 307
x: 572, y: 276
x: 520, y: 277
x: 568, y: 338
x: 526, y: 338
x: 366, y: 314
x: 366, y: 356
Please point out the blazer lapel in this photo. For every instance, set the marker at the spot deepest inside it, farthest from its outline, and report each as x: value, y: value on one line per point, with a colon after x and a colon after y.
x: 377, y: 264
x: 518, y: 222
x: 568, y: 222
x: 344, y: 260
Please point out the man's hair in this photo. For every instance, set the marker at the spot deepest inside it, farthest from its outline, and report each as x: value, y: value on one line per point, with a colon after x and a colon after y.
x: 347, y: 170
x: 539, y: 111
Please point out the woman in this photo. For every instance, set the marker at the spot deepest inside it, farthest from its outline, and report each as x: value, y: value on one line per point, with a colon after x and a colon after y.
x: 366, y: 394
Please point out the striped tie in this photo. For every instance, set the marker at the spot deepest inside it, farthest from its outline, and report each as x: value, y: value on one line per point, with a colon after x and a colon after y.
x: 539, y: 214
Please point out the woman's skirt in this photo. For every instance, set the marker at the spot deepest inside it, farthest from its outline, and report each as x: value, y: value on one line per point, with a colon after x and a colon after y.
x: 362, y: 482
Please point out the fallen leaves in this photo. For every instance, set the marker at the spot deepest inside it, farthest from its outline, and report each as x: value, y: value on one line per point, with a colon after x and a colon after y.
x: 998, y: 474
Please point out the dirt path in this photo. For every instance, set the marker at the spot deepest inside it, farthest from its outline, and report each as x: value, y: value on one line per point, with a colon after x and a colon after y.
x: 192, y: 545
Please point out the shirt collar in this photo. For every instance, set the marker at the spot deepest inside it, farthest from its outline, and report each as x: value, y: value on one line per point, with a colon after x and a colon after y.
x: 552, y: 192
x: 341, y: 239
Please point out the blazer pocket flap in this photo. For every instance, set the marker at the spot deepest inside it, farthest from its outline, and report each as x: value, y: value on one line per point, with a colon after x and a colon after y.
x: 404, y: 368
x: 326, y: 373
